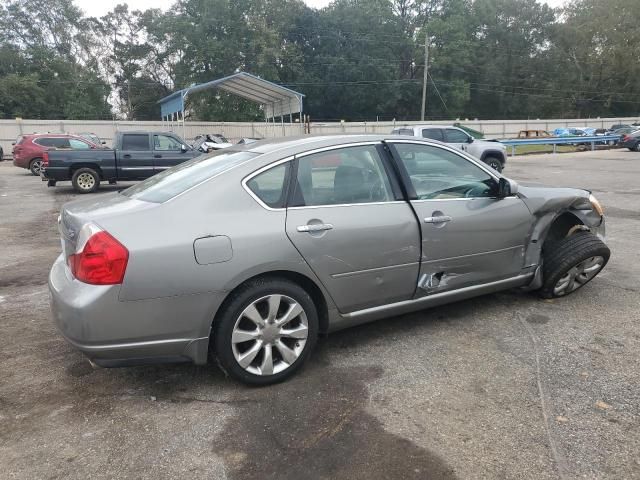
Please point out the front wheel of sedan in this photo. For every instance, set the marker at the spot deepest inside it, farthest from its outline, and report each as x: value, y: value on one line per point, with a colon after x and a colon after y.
x: 571, y: 263
x: 266, y: 331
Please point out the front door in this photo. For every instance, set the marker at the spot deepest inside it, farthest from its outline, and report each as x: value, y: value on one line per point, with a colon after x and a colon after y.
x: 167, y: 152
x: 456, y: 138
x: 347, y: 219
x: 469, y: 237
x: 134, y: 157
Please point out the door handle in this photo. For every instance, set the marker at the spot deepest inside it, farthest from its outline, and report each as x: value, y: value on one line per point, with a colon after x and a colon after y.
x: 318, y: 227
x: 126, y: 155
x: 438, y: 219
x: 157, y: 156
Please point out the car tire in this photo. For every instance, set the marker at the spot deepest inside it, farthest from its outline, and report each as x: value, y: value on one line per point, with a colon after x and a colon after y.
x: 85, y: 180
x: 571, y: 263
x: 35, y: 165
x: 636, y: 148
x: 266, y: 356
x: 494, y: 163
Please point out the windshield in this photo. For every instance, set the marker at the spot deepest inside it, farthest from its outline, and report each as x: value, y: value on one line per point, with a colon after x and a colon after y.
x: 174, y: 181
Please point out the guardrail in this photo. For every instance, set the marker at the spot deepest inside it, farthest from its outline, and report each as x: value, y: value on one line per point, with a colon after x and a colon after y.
x: 593, y: 139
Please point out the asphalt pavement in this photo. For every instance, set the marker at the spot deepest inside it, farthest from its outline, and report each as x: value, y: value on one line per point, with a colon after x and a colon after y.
x: 503, y: 386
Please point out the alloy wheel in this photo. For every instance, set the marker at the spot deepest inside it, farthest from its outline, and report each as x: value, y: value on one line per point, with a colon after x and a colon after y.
x: 270, y: 335
x: 578, y: 275
x: 36, y: 166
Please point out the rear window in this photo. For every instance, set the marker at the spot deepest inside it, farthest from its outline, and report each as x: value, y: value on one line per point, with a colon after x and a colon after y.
x: 179, y: 179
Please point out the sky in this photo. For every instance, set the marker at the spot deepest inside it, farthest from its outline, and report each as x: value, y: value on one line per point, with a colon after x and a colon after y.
x: 97, y: 9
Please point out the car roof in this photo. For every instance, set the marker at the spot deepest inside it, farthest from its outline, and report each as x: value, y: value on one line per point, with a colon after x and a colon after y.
x: 292, y: 145
x: 426, y: 125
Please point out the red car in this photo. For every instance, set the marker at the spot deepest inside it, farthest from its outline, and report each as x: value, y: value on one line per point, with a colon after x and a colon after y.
x: 28, y: 150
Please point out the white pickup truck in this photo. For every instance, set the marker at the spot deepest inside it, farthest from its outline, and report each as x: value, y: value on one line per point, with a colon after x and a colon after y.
x: 491, y: 152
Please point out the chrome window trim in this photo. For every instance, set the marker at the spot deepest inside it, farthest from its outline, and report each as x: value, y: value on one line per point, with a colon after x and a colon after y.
x: 336, y: 147
x: 246, y: 179
x: 348, y: 205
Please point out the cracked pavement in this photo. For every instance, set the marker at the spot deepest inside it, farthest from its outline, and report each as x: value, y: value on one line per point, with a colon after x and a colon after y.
x: 500, y: 386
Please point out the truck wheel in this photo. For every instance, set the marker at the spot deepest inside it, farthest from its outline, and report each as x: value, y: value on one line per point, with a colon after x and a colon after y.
x: 494, y: 163
x: 85, y: 180
x: 571, y: 263
x: 35, y: 166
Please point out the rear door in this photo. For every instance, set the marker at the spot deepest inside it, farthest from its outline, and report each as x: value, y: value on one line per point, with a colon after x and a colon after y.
x: 347, y: 218
x: 469, y: 237
x: 433, y: 134
x: 135, y: 158
x: 167, y: 152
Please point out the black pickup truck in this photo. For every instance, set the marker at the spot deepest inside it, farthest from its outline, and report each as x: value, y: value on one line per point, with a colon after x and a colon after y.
x: 135, y: 156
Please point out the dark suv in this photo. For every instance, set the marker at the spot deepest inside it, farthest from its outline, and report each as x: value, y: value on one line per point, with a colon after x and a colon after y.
x: 28, y: 150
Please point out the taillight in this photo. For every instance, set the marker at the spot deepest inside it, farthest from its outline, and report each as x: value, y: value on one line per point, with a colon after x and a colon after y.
x: 45, y: 159
x: 102, y: 260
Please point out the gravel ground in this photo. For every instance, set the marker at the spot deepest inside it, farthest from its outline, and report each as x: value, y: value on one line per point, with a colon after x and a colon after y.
x: 502, y: 386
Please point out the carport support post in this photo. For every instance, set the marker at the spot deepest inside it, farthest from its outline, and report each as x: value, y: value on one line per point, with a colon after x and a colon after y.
x: 554, y: 148
x: 593, y: 146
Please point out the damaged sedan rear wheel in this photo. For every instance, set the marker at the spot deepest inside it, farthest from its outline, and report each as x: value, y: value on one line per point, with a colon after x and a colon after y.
x: 571, y: 263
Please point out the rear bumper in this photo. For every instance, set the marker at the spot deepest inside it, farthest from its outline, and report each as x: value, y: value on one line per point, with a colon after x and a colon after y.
x: 113, y: 333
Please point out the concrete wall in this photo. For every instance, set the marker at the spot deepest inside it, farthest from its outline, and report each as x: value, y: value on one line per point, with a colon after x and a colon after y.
x: 11, y: 129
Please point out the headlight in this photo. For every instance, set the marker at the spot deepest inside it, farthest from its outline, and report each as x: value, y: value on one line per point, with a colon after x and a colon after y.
x: 596, y: 205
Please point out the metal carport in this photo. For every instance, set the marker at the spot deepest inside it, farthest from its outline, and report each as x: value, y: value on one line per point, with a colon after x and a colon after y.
x: 276, y: 100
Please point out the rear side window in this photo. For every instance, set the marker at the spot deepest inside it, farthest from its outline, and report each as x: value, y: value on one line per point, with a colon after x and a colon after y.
x: 174, y: 181
x: 347, y: 175
x: 135, y: 142
x: 269, y: 186
x: 56, y: 142
x: 432, y: 133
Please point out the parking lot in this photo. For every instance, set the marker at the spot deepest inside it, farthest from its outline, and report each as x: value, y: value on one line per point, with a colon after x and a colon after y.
x: 501, y: 386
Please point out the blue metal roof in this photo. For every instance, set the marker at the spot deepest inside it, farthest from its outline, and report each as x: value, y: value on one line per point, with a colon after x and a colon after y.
x: 276, y: 99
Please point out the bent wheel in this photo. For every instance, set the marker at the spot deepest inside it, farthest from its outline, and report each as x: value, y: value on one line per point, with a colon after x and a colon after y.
x: 572, y: 263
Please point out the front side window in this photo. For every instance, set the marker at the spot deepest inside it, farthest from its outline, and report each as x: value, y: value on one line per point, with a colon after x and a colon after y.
x: 78, y: 144
x: 453, y: 135
x: 269, y: 186
x: 166, y: 143
x: 342, y: 176
x: 437, y: 173
x: 432, y: 133
x: 135, y: 142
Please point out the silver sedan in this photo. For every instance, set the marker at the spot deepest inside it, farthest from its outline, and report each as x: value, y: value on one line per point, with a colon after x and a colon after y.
x: 249, y: 254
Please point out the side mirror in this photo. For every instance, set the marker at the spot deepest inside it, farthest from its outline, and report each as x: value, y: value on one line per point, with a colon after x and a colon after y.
x: 184, y: 148
x: 469, y: 139
x: 506, y: 188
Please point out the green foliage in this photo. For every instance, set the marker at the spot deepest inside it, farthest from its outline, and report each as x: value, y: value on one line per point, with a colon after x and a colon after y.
x: 354, y: 60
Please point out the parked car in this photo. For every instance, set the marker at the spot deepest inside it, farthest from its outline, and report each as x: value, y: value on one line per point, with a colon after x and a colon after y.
x: 136, y: 156
x: 249, y: 253
x: 492, y: 152
x: 631, y: 141
x: 209, y: 142
x: 28, y: 150
x: 618, y: 126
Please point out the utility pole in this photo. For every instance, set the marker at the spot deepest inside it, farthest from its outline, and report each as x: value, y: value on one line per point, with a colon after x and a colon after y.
x: 426, y: 73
